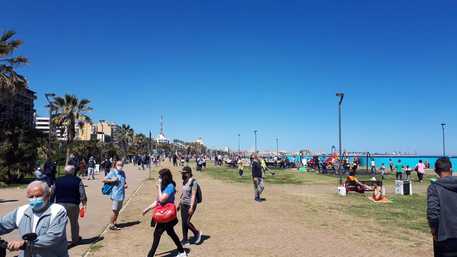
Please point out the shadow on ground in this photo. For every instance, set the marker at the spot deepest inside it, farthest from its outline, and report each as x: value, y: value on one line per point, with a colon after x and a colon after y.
x: 172, y: 253
x: 204, y: 238
x: 128, y: 224
x: 88, y: 241
x: 8, y: 201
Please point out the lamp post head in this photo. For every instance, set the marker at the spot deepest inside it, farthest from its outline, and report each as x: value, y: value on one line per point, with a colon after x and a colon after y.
x: 341, y: 96
x: 443, y: 125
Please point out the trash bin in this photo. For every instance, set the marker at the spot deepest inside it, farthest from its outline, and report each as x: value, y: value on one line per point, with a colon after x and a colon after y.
x: 403, y: 187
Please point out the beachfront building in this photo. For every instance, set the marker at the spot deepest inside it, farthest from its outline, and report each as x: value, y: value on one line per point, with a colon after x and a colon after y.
x: 42, y: 125
x: 106, y: 131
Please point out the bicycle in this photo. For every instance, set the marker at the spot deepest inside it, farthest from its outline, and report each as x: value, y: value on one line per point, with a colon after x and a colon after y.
x: 29, y: 238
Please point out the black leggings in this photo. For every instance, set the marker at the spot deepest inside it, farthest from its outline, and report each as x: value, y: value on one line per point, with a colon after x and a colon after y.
x: 186, y: 224
x: 160, y: 228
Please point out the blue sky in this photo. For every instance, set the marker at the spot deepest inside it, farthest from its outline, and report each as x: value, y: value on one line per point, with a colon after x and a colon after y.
x: 218, y: 68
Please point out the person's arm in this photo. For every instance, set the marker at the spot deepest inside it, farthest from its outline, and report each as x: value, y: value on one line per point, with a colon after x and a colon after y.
x: 55, y: 232
x: 150, y: 207
x: 8, y: 223
x: 110, y: 178
x: 193, y: 198
x: 82, y: 194
x: 433, y: 210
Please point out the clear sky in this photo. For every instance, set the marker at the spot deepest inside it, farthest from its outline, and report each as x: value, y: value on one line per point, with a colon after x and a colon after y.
x: 218, y: 68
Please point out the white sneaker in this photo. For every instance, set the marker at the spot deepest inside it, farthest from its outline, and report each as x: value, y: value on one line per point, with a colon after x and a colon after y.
x: 184, y: 254
x: 199, y: 238
x: 185, y: 243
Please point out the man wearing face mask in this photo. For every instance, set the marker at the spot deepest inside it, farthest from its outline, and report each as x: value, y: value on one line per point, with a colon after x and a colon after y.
x: 119, y: 180
x: 188, y: 204
x: 46, y: 219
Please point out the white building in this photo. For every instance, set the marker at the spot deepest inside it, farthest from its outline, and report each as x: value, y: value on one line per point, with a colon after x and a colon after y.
x: 42, y: 125
x: 200, y: 141
x: 161, y: 138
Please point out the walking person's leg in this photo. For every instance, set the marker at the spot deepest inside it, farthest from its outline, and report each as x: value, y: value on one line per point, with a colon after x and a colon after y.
x: 171, y: 232
x: 73, y: 215
x: 185, y: 223
x: 256, y: 190
x: 155, y: 243
x: 92, y: 173
x: 261, y: 186
x: 191, y: 226
x: 117, y: 206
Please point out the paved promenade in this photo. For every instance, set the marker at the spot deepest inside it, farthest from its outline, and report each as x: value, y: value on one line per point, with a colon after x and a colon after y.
x: 99, y: 207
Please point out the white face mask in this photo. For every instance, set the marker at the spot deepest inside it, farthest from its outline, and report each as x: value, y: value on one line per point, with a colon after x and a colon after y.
x: 119, y: 167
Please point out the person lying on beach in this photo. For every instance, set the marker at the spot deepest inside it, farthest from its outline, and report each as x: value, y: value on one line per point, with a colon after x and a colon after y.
x: 353, y: 180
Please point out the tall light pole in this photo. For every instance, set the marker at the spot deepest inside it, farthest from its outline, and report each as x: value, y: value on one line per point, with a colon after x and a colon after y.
x: 239, y: 143
x: 150, y: 153
x: 443, y: 126
x: 340, y: 103
x: 255, y: 140
x: 277, y: 146
x: 102, y: 140
x: 103, y: 132
x: 51, y: 107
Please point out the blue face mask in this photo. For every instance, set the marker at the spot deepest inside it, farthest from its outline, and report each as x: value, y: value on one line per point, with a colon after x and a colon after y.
x: 37, y: 203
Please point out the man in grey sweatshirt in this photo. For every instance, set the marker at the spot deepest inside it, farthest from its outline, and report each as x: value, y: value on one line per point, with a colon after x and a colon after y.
x: 442, y: 210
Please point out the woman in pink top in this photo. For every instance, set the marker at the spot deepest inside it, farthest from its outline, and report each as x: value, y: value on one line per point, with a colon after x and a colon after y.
x: 420, y: 168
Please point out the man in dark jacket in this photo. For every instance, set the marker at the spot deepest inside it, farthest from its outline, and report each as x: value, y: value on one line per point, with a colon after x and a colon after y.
x: 106, y: 164
x: 442, y: 209
x: 257, y: 178
x: 50, y: 170
x: 70, y: 193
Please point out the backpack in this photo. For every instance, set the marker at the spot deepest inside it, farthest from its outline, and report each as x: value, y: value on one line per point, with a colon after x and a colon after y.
x: 107, y: 189
x: 199, y: 196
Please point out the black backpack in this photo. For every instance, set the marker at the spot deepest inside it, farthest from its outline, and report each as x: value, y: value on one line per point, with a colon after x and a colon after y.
x: 199, y: 192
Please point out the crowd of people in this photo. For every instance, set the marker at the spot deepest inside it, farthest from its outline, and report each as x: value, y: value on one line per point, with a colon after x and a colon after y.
x: 54, y: 201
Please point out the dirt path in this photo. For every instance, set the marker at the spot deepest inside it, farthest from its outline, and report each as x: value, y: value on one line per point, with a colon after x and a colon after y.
x: 294, y: 221
x: 99, y: 208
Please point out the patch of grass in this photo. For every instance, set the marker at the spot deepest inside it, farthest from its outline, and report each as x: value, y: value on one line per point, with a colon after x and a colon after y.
x: 404, y: 211
x: 281, y: 176
x: 96, y: 247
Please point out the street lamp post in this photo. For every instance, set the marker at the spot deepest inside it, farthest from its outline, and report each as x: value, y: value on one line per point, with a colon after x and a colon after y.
x: 443, y: 126
x: 150, y: 154
x: 341, y: 96
x: 239, y: 143
x: 277, y: 146
x: 255, y: 140
x: 102, y: 140
x: 103, y: 132
x: 50, y: 105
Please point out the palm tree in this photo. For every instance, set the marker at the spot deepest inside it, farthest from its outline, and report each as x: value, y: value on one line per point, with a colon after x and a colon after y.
x: 9, y: 79
x: 140, y: 142
x: 71, y: 113
x: 125, y: 138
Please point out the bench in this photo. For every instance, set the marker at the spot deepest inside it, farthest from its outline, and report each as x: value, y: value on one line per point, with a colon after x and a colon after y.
x: 354, y: 187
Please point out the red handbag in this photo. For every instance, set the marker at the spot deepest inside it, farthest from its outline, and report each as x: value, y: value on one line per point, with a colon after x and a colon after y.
x: 164, y: 213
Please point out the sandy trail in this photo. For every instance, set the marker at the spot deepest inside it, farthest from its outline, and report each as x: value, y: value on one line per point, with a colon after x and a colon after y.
x: 294, y: 221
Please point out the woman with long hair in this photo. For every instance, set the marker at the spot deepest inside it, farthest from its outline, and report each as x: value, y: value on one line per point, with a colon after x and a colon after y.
x: 166, y: 190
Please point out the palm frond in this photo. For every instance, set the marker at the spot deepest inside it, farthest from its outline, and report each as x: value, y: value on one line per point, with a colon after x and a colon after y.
x: 7, y: 35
